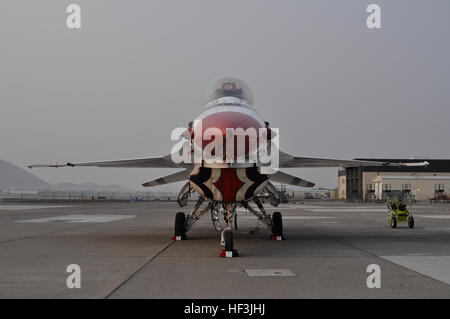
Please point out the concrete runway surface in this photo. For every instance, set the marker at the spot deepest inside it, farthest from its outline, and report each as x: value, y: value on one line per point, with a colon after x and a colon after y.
x: 125, y: 250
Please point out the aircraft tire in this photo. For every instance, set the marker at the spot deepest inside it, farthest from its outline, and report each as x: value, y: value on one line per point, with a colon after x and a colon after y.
x: 180, y: 229
x: 411, y: 222
x: 228, y: 237
x: 277, y: 227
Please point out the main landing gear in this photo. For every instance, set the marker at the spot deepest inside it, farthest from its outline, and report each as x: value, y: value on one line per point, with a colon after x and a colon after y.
x: 180, y: 228
x: 274, y: 223
x: 219, y: 210
x: 277, y: 226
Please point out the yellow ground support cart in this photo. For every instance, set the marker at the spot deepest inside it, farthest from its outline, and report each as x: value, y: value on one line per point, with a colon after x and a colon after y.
x: 399, y: 212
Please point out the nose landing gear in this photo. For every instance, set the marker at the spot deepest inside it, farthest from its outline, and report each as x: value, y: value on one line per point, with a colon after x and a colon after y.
x: 228, y: 250
x: 227, y: 237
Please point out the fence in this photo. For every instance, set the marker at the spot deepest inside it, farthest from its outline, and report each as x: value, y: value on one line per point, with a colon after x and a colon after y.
x: 85, y: 196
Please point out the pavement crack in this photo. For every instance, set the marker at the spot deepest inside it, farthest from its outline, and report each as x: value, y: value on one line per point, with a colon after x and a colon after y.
x: 148, y: 262
x: 40, y: 235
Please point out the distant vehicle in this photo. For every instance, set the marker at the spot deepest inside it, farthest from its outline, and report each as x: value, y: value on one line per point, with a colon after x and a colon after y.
x: 399, y: 211
x: 309, y: 196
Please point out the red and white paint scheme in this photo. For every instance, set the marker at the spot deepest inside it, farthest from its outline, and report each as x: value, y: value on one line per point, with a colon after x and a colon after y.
x: 226, y: 182
x: 230, y: 108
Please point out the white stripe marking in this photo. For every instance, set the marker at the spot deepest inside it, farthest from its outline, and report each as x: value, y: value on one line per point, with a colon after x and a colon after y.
x: 27, y: 207
x: 269, y: 272
x: 434, y: 216
x: 79, y: 219
x: 437, y: 267
x: 348, y: 210
x: 293, y: 217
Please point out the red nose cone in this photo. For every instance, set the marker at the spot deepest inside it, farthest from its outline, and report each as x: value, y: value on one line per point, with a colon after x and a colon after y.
x: 224, y: 120
x: 220, y: 122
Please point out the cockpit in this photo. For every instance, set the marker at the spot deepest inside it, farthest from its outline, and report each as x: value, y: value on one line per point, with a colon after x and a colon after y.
x: 229, y: 91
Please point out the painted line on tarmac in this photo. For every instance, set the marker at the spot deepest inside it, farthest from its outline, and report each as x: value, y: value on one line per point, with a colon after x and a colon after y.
x: 293, y: 217
x: 347, y: 210
x: 436, y: 267
x: 434, y: 216
x: 29, y: 207
x: 79, y: 219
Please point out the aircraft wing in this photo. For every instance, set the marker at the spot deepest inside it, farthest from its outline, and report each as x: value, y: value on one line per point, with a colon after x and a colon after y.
x: 172, y: 178
x: 157, y: 162
x: 287, y: 160
x: 281, y: 177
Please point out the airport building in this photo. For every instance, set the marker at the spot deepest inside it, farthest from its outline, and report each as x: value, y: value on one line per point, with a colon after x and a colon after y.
x: 376, y: 183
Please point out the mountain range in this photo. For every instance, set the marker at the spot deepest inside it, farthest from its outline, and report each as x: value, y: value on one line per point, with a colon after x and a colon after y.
x: 16, y: 178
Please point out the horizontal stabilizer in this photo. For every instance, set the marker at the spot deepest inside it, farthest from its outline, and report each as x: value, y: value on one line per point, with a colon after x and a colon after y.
x: 173, y: 178
x: 281, y: 177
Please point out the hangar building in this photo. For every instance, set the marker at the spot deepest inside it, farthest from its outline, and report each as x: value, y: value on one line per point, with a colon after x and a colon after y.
x: 373, y: 183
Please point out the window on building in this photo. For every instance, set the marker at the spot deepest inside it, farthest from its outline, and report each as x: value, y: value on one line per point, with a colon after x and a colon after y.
x: 386, y: 187
x: 439, y: 188
x: 406, y: 187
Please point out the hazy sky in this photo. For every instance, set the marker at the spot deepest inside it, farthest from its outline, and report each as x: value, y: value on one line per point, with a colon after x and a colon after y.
x: 137, y: 69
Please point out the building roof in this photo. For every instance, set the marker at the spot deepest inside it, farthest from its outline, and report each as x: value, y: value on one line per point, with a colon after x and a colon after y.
x: 436, y: 165
x: 415, y: 177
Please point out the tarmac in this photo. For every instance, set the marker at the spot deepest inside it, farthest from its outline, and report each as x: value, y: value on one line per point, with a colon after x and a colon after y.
x: 125, y: 250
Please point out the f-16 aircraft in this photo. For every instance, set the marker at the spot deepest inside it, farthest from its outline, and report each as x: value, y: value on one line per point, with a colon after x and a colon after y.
x: 225, y: 182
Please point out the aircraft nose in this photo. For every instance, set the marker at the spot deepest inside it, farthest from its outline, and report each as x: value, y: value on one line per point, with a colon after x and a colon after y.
x: 221, y: 123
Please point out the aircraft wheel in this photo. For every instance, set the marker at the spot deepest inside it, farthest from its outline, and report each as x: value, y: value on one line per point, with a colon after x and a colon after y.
x: 180, y: 229
x: 410, y: 222
x: 228, y: 237
x: 277, y: 227
x: 394, y: 222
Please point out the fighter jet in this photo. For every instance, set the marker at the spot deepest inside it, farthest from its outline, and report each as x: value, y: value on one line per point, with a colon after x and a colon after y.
x: 227, y: 175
